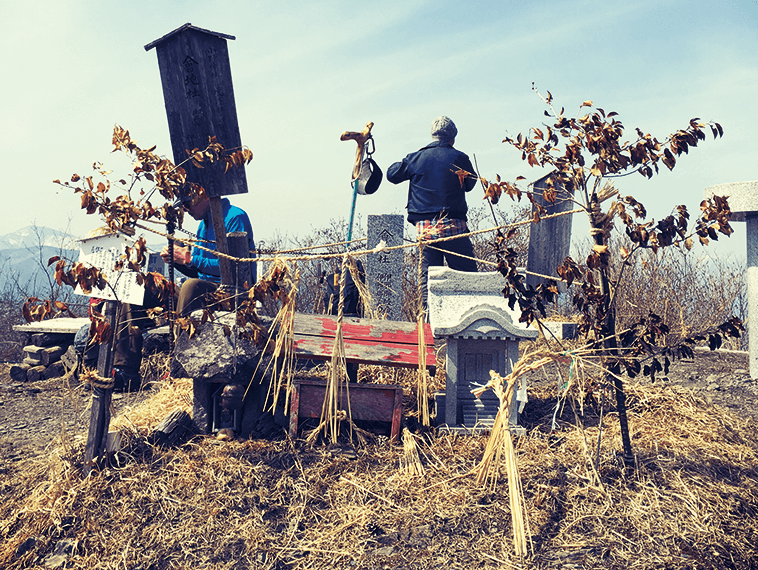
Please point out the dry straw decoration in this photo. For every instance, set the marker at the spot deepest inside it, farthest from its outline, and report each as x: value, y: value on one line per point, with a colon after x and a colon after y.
x: 330, y: 410
x: 691, y: 500
x: 410, y: 463
x: 283, y: 360
x: 500, y: 451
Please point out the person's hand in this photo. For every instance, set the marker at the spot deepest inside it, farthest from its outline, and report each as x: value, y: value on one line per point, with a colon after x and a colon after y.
x: 182, y: 255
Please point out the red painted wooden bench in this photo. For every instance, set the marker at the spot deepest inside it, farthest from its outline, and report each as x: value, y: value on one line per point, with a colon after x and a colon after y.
x: 366, y: 341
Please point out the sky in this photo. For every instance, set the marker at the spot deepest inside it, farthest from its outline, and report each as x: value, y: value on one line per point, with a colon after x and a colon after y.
x: 304, y: 72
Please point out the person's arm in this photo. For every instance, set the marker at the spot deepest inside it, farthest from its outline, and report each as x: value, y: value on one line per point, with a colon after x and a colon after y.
x: 398, y: 172
x: 470, y: 181
x: 205, y: 262
x: 186, y: 270
x: 182, y: 260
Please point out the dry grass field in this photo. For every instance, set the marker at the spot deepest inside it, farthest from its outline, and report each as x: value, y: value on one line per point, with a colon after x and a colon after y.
x: 690, y: 500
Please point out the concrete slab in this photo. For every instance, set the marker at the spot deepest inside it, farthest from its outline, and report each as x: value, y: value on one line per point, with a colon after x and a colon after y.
x: 742, y: 196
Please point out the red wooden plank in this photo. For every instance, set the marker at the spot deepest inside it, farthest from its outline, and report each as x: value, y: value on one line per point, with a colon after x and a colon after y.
x: 364, y: 351
x: 380, y: 330
x: 367, y: 341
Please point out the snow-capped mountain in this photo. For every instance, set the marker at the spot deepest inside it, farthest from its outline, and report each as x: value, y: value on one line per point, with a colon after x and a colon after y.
x: 35, y: 236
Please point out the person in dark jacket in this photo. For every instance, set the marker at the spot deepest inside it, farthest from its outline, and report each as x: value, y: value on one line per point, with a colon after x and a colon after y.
x: 437, y: 200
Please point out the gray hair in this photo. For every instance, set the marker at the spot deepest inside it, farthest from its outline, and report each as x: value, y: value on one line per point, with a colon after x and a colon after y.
x: 443, y: 129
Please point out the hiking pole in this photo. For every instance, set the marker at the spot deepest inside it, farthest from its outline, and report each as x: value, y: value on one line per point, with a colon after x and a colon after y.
x: 361, y: 138
x: 352, y: 214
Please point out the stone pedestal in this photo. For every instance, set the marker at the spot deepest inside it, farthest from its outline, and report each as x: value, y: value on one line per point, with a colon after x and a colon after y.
x: 482, y: 333
x: 213, y: 359
x: 743, y: 202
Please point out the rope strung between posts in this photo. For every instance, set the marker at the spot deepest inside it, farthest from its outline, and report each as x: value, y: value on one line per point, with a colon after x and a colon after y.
x: 304, y: 248
x: 377, y: 249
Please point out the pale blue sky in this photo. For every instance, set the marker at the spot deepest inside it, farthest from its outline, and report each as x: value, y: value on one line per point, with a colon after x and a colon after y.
x: 304, y: 72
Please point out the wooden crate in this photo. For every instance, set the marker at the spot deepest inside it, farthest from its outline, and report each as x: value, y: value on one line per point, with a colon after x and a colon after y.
x: 368, y: 402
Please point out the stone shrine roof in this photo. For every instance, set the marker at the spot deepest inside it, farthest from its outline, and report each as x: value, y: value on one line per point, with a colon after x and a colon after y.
x: 471, y: 305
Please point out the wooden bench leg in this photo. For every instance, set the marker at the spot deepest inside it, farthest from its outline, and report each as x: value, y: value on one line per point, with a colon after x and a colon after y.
x: 294, y: 408
x: 352, y: 372
x: 397, y: 415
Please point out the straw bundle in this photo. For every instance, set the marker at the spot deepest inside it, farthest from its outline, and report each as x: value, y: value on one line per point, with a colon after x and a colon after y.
x: 283, y: 360
x: 330, y: 411
x: 421, y: 382
x: 499, y: 451
x: 410, y: 463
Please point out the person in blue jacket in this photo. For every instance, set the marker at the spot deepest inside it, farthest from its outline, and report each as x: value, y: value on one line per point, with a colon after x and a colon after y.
x: 202, y: 268
x: 437, y: 200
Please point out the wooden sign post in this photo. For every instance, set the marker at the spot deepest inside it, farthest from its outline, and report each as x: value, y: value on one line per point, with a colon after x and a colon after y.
x: 199, y: 97
x: 549, y: 240
x: 100, y: 416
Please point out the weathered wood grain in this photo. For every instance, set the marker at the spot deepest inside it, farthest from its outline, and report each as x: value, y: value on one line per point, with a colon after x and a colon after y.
x: 366, y: 341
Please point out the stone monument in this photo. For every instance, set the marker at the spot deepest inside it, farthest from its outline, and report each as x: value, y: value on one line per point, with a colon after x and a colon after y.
x: 469, y: 311
x: 549, y: 240
x: 384, y: 270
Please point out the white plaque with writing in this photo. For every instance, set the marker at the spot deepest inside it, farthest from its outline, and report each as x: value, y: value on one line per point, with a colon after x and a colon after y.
x: 103, y: 252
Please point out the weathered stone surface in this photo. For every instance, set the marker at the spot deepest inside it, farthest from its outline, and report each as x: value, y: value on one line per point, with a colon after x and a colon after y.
x: 210, y: 353
x: 63, y: 551
x: 743, y: 204
x: 55, y: 370
x: 550, y: 240
x: 18, y: 372
x: 454, y: 297
x: 742, y: 197
x: 214, y: 360
x: 384, y: 269
x: 50, y: 339
x: 34, y: 373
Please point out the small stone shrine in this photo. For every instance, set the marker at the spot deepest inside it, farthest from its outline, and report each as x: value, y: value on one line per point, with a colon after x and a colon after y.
x: 469, y: 311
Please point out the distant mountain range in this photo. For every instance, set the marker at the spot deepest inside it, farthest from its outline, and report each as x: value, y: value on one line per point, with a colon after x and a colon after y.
x: 34, y: 236
x: 24, y: 255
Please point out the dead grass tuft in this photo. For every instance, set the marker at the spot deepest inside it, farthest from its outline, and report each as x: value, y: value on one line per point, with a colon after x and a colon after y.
x: 690, y: 502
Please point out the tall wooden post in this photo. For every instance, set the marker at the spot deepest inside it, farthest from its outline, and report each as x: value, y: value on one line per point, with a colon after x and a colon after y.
x: 100, y: 415
x: 549, y: 240
x: 197, y: 89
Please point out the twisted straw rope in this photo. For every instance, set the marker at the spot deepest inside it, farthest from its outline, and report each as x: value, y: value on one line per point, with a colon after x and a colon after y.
x: 426, y: 243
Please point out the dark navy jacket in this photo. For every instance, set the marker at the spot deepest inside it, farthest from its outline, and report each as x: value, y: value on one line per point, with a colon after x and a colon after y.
x: 434, y: 189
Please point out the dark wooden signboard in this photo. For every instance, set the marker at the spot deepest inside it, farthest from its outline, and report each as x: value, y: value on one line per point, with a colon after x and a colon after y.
x: 197, y: 89
x: 549, y: 240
